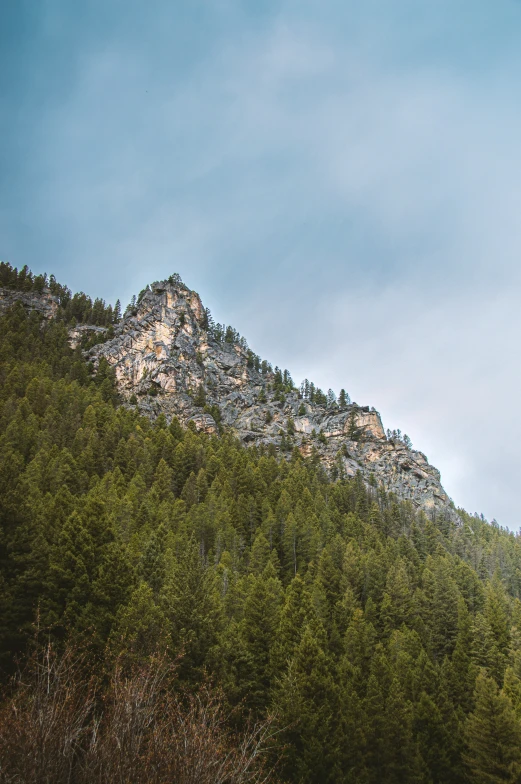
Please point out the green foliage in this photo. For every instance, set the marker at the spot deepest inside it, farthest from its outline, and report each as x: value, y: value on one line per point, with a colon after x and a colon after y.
x: 353, y: 431
x: 358, y: 622
x: 191, y: 604
x: 492, y: 736
x: 200, y: 396
x: 343, y: 399
x: 76, y: 309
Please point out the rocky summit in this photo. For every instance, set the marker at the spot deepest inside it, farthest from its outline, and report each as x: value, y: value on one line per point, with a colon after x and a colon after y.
x: 170, y: 358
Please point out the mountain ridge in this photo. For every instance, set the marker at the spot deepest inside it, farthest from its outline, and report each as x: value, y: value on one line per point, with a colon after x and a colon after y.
x: 288, y: 594
x: 166, y: 354
x: 170, y: 358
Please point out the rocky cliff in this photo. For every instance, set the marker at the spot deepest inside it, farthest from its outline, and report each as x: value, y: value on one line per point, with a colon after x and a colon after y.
x: 167, y: 359
x: 44, y: 302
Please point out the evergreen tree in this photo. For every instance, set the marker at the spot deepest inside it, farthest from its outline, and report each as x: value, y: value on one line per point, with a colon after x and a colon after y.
x: 306, y: 709
x: 131, y: 537
x: 190, y: 602
x: 296, y: 613
x: 343, y: 399
x: 258, y: 629
x: 353, y: 431
x: 398, y: 602
x: 331, y: 398
x: 442, y: 595
x: 140, y: 628
x: 152, y: 564
x: 402, y: 761
x: 435, y: 741
x: 492, y: 736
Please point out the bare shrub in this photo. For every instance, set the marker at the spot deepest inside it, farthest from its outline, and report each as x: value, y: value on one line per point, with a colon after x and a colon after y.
x: 44, y: 725
x: 143, y: 729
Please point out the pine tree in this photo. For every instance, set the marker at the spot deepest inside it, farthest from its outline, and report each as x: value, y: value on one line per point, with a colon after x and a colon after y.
x: 190, y: 602
x: 373, y: 722
x: 359, y: 644
x: 327, y: 593
x: 258, y: 629
x: 140, y: 629
x: 496, y: 613
x: 461, y: 675
x: 306, y: 710
x: 353, y: 431
x: 200, y: 397
x: 343, y: 399
x: 260, y: 554
x: 441, y: 608
x: 331, y: 398
x: 112, y: 584
x: 397, y: 603
x: 512, y: 682
x: 72, y: 563
x: 492, y: 737
x: 152, y: 565
x: 296, y: 613
x: 485, y: 651
x: 402, y: 760
x: 434, y: 740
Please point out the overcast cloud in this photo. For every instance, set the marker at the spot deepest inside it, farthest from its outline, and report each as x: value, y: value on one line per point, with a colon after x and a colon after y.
x: 340, y: 181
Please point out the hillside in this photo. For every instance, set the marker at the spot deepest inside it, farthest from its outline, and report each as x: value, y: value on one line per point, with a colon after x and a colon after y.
x: 191, y: 598
x: 169, y: 357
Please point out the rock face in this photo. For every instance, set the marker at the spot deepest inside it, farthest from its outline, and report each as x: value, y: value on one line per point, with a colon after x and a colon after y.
x: 168, y: 362
x: 77, y: 333
x: 45, y: 303
x: 164, y: 355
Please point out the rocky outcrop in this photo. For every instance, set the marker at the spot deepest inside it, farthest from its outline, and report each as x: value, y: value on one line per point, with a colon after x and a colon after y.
x: 45, y: 302
x: 168, y: 362
x: 76, y: 334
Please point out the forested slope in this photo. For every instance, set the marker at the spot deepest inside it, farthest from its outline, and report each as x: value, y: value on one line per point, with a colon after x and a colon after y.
x: 385, y: 645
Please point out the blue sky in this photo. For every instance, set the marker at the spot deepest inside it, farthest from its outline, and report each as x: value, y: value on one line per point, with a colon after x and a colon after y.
x: 340, y: 181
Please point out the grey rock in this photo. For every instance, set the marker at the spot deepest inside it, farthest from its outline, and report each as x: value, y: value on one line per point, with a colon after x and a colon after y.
x: 164, y: 349
x: 77, y: 333
x: 163, y: 355
x: 45, y: 303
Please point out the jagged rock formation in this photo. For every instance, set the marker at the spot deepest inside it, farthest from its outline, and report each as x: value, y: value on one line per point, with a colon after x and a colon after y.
x: 45, y: 302
x: 167, y: 361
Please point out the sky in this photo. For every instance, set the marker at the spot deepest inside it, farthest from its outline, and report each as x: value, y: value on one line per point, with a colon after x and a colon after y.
x: 338, y: 180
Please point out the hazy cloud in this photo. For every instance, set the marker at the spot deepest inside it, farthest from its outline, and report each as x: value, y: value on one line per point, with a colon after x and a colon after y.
x: 340, y: 181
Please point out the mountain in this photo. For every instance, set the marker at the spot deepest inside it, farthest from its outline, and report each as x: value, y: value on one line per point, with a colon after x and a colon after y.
x: 169, y: 358
x: 189, y: 594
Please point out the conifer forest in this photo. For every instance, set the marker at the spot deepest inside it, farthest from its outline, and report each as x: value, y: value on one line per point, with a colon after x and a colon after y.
x: 179, y: 607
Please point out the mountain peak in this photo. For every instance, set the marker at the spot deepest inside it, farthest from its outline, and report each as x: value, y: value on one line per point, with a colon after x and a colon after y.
x: 170, y: 358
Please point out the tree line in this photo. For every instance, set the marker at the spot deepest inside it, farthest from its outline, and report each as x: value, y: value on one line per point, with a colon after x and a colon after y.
x: 78, y: 308
x: 375, y: 642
